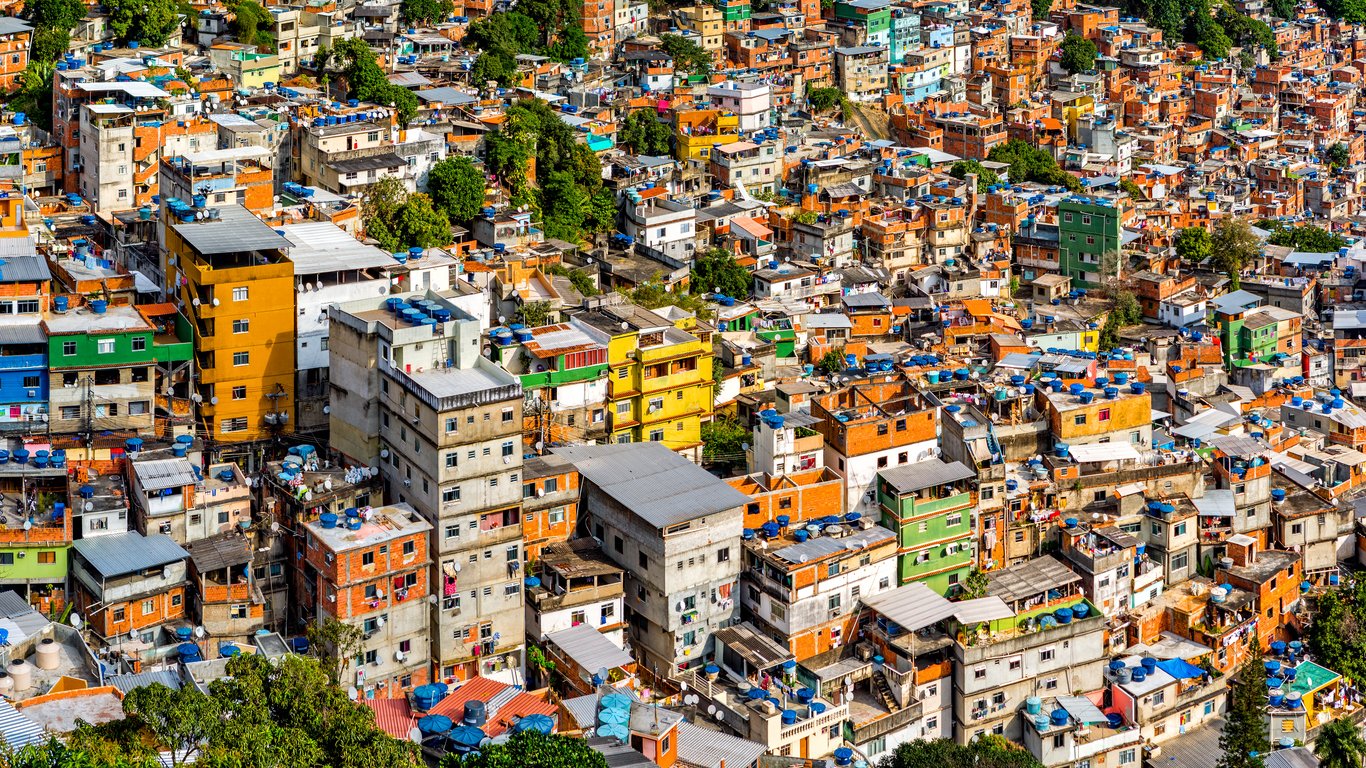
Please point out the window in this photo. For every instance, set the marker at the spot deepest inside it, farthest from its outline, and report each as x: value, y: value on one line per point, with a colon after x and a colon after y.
x: 1104, y: 414
x: 239, y: 293
x: 138, y: 408
x: 450, y: 495
x: 139, y: 343
x: 1014, y: 666
x: 979, y: 674
x: 105, y: 346
x: 47, y: 558
x: 1046, y: 655
x: 723, y: 555
x: 556, y: 515
x: 367, y: 559
x: 644, y: 560
x: 452, y: 459
x: 507, y: 449
x: 118, y: 612
x: 1126, y: 756
x: 1080, y: 419
x: 239, y: 393
x: 241, y: 326
x: 241, y: 358
x: 68, y: 348
x: 235, y: 425
x: 1051, y: 684
x: 1179, y: 561
x: 453, y: 531
x: 656, y: 435
x: 451, y: 424
x: 507, y: 415
x: 148, y: 607
x: 953, y: 519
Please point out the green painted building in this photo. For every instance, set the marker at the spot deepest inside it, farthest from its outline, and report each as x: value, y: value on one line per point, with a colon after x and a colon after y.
x: 103, y: 362
x: 1240, y: 330
x: 929, y: 505
x: 1089, y: 236
x: 33, y: 548
x: 874, y: 16
x: 734, y: 11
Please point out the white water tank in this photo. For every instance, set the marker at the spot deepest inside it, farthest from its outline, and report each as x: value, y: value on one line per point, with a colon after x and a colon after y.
x: 49, y: 655
x: 22, y: 674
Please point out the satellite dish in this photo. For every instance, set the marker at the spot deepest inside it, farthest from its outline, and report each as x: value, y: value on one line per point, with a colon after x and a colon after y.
x: 132, y: 634
x: 199, y: 632
x: 683, y: 686
x: 431, y: 599
x: 711, y: 709
x: 274, y: 524
x: 720, y: 715
x: 457, y: 567
x: 602, y: 672
x: 415, y: 736
x: 352, y: 693
x: 90, y: 506
x: 75, y: 620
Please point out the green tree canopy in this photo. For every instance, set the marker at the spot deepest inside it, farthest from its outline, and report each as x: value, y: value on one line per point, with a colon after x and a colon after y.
x: 986, y: 178
x: 252, y: 24
x: 1340, y: 745
x: 1244, y: 738
x: 717, y: 270
x: 987, y: 752
x: 569, y: 44
x: 1352, y: 11
x: 426, y: 11
x: 1338, y: 155
x: 724, y: 440
x: 532, y: 750
x: 1305, y: 237
x: 457, y: 188
x: 1283, y: 9
x: 512, y: 32
x: 1234, y: 245
x: 1029, y: 163
x: 1193, y: 244
x: 644, y: 134
x: 34, y: 97
x: 1039, y: 9
x: 369, y: 83
x: 150, y: 22
x: 57, y: 14
x: 689, y: 57
x: 824, y: 99
x: 581, y: 281
x: 1078, y: 53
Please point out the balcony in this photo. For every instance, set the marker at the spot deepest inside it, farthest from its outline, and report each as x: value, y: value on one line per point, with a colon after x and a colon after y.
x: 22, y: 362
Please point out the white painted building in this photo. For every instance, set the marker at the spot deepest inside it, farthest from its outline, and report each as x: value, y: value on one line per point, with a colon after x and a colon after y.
x: 752, y: 102
x: 664, y: 225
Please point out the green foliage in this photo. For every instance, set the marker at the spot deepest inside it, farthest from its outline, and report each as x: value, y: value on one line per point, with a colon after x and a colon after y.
x: 334, y: 643
x: 497, y: 65
x: 653, y: 295
x: 975, y: 585
x: 1244, y: 738
x: 1338, y: 155
x: 512, y: 32
x: 1078, y: 53
x: 322, y: 58
x: 581, y: 281
x: 1337, y: 635
x: 1352, y: 11
x: 831, y: 362
x: 1234, y: 245
x: 369, y: 83
x: 551, y: 15
x: 1124, y: 311
x: 1339, y: 745
x: 252, y: 23
x: 456, y: 186
x: 426, y: 11
x: 1306, y: 237
x: 1039, y: 9
x: 1283, y: 9
x: 644, y: 134
x: 1246, y: 31
x: 1128, y: 187
x: 717, y: 270
x: 990, y: 751
x: 565, y: 218
x: 571, y: 43
x: 824, y: 99
x: 50, y: 44
x: 689, y: 57
x: 150, y: 22
x: 724, y: 441
x: 528, y: 29
x: 531, y: 750
x: 1032, y: 164
x: 535, y: 313
x: 1193, y: 244
x: 34, y: 97
x: 54, y: 14
x: 985, y: 176
x: 1206, y: 33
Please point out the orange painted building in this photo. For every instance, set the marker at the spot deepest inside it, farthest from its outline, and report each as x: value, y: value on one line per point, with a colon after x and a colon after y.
x: 550, y: 503
x: 128, y: 585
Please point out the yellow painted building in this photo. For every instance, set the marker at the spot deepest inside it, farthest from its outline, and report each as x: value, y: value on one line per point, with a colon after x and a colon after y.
x: 698, y: 130
x: 231, y: 277
x: 659, y: 386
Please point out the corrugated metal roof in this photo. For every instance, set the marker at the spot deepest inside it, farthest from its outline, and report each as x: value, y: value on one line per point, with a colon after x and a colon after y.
x: 122, y: 553
x: 321, y: 246
x: 988, y: 608
x: 16, y: 730
x: 712, y: 749
x: 824, y: 546
x: 1216, y: 503
x: 235, y: 231
x: 13, y: 604
x: 1105, y: 452
x: 759, y: 650
x: 913, y: 606
x: 1241, y: 446
x: 1082, y: 709
x: 22, y: 334
x: 217, y: 552
x: 653, y: 482
x: 164, y: 473
x: 126, y: 683
x: 925, y: 474
x: 1029, y: 579
x: 1019, y: 360
x: 589, y: 648
x: 23, y: 268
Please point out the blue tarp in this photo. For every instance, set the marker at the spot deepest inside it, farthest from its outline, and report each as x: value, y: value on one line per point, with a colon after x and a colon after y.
x: 1180, y: 669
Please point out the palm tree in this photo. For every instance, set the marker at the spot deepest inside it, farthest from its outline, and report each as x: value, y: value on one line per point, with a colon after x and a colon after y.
x: 1340, y: 745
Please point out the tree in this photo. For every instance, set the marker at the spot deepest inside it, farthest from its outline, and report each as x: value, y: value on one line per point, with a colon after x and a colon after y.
x: 975, y: 585
x: 251, y: 23
x: 1124, y: 311
x: 689, y: 57
x: 1283, y: 9
x: 497, y: 65
x: 421, y: 225
x: 1339, y: 745
x: 1128, y: 187
x: 986, y: 178
x: 54, y: 14
x: 1337, y: 636
x: 564, y: 207
x: 512, y: 32
x: 1243, y: 740
x: 1351, y: 11
x: 1029, y: 163
x: 580, y: 280
x: 530, y: 749
x: 991, y: 751
x: 34, y: 97
x: 652, y: 294
x: 535, y: 313
x: 571, y: 43
x: 1306, y: 237
x: 1039, y: 9
x: 180, y: 721
x: 335, y: 644
x: 1338, y: 155
x: 149, y: 22
x: 644, y: 134
x: 426, y: 11
x: 1206, y: 33
x: 457, y: 188
x: 717, y: 270
x: 1193, y: 244
x: 824, y: 99
x: 1234, y: 245
x: 368, y: 82
x: 831, y: 362
x: 724, y: 441
x: 1078, y: 53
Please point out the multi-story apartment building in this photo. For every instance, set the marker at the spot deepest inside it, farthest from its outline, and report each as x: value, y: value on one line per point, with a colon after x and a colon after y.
x: 808, y: 592
x: 371, y: 570
x: 1305, y: 523
x: 561, y: 368
x: 659, y: 378
x: 24, y: 298
x: 665, y: 225
x: 748, y: 166
x: 229, y: 272
x: 751, y: 102
x: 861, y: 71
x: 1089, y: 232
x: 575, y: 584
x: 1242, y: 469
x: 929, y: 504
x: 348, y: 152
x: 34, y: 544
x: 15, y: 37
x: 175, y: 498
x: 550, y: 503
x: 127, y: 585
x: 599, y: 24
x: 224, y: 597
x: 675, y: 529
x: 871, y: 427
x: 1081, y: 415
x: 102, y: 361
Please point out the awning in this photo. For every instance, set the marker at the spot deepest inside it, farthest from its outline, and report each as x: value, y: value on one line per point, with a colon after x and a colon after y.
x: 1082, y: 709
x: 143, y: 283
x: 914, y: 606
x: 1180, y: 669
x: 758, y: 651
x: 589, y: 648
x: 1216, y: 503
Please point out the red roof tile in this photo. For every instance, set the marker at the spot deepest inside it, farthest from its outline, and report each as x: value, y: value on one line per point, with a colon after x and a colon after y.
x: 484, y: 689
x: 393, y: 716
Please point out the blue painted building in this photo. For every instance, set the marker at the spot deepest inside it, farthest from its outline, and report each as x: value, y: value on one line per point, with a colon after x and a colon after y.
x: 23, y: 343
